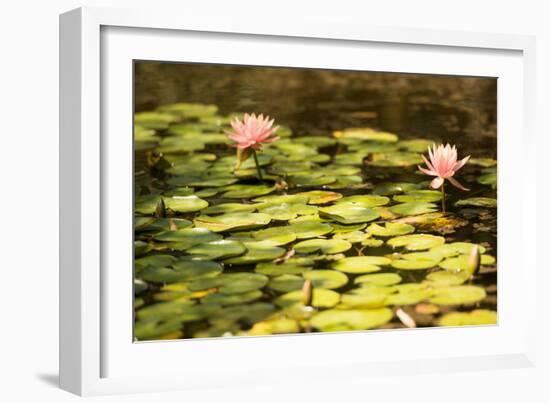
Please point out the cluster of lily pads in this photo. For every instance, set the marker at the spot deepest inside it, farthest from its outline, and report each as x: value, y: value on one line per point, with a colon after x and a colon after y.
x: 219, y: 253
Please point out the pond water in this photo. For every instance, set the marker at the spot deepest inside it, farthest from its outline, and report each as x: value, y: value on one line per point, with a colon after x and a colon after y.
x: 344, y: 211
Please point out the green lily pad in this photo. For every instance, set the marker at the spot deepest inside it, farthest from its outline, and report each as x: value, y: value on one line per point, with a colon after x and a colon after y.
x: 364, y: 200
x: 458, y: 295
x: 416, y: 261
x: 417, y: 241
x: 146, y: 204
x: 322, y: 245
x: 366, y: 134
x: 408, y: 294
x: 230, y: 208
x: 460, y: 263
x: 218, y: 249
x: 447, y: 278
x: 185, y: 204
x: 488, y: 179
x: 415, y: 145
x: 390, y: 189
x: 361, y: 264
x: 153, y: 120
x: 309, y: 229
x: 390, y: 229
x: 232, y: 299
x: 456, y: 248
x: 152, y: 225
x: 349, y: 214
x: 474, y: 318
x: 330, y: 279
x: 478, y: 202
x: 381, y: 279
x: 291, y: 266
x: 257, y: 252
x: 280, y: 199
x: 274, y: 236
x: 286, y: 283
x: 419, y: 196
x: 237, y: 283
x: 353, y: 319
x: 320, y: 196
x: 182, y: 270
x: 321, y: 298
x: 395, y: 159
x: 183, y: 310
x: 150, y: 329
x: 232, y: 221
x: 286, y: 211
x: 352, y: 236
x: 247, y: 191
x: 189, y: 110
x: 187, y: 237
x: 414, y: 208
x: 366, y: 297
x: 155, y: 261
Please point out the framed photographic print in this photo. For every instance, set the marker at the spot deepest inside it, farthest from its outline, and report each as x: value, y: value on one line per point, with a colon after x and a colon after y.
x: 300, y: 198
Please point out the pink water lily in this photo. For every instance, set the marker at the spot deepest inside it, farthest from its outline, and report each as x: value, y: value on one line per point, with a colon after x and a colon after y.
x: 253, y: 131
x: 443, y: 164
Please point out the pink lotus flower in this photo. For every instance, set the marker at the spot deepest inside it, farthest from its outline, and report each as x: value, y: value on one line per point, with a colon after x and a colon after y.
x: 253, y: 131
x: 443, y: 165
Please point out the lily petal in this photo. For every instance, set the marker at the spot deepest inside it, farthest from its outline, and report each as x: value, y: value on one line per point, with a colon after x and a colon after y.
x: 457, y: 184
x: 436, y: 183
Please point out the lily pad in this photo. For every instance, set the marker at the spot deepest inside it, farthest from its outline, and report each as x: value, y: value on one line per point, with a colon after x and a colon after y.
x: 232, y: 221
x: 353, y: 319
x: 280, y: 199
x: 322, y: 245
x: 461, y: 262
x: 419, y: 196
x: 352, y: 236
x: 146, y: 204
x: 218, y: 249
x: 309, y: 229
x: 247, y: 191
x: 320, y: 196
x: 274, y: 236
x: 456, y: 248
x: 366, y: 297
x: 257, y: 252
x: 474, y: 318
x: 230, y: 208
x: 330, y: 279
x: 322, y: 298
x: 390, y: 229
x: 416, y: 261
x: 182, y: 270
x: 413, y: 208
x: 286, y: 211
x: 185, y: 204
x: 361, y: 264
x: 366, y: 134
x: 458, y: 295
x: 478, y: 202
x: 395, y: 159
x: 393, y: 188
x: 291, y: 266
x: 381, y: 279
x: 447, y: 278
x: 417, y: 241
x: 187, y: 237
x: 232, y: 299
x: 364, y: 200
x: 408, y: 294
x: 286, y: 283
x: 349, y: 214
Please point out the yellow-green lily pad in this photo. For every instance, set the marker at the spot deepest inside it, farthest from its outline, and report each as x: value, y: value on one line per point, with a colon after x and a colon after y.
x: 390, y: 229
x: 381, y: 279
x: 474, y: 318
x: 352, y: 319
x: 458, y: 295
x: 257, y: 252
x: 361, y: 264
x: 322, y: 245
x: 349, y: 214
x: 232, y: 221
x: 413, y: 208
x: 416, y: 241
x: 330, y: 279
x: 321, y: 298
x: 217, y: 249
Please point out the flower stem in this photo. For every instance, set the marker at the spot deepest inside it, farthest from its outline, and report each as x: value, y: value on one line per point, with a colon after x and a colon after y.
x: 260, y: 177
x: 443, y: 198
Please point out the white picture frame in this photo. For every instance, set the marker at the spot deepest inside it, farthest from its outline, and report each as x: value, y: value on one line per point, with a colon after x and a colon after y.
x: 97, y: 357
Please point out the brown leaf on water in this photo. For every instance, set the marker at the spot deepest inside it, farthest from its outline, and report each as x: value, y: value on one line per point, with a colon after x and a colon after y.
x: 434, y: 222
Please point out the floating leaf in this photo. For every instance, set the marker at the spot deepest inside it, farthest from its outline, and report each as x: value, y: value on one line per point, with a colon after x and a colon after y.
x: 274, y: 236
x: 247, y: 191
x: 379, y: 279
x: 361, y: 264
x: 320, y: 196
x: 416, y: 261
x: 274, y: 326
x: 456, y: 248
x: 349, y: 214
x: 488, y: 179
x: 462, y: 262
x: 414, y: 208
x: 322, y: 245
x: 218, y: 249
x: 185, y: 204
x: 366, y: 297
x: 419, y: 196
x: 232, y: 299
x: 447, y: 278
x: 257, y: 252
x: 395, y: 159
x: 286, y: 211
x: 232, y: 221
x: 457, y: 295
x: 473, y: 318
x: 352, y: 236
x: 478, y: 202
x: 416, y: 241
x: 291, y: 266
x: 353, y: 319
x: 390, y: 229
x: 322, y: 298
x: 330, y: 279
x: 286, y: 282
x: 415, y: 145
x: 364, y: 200
x: 182, y: 270
x: 390, y: 189
x: 146, y: 204
x: 408, y: 294
x: 309, y: 229
x: 366, y: 134
x: 280, y: 199
x: 230, y: 208
x: 187, y: 237
x: 149, y: 329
